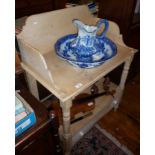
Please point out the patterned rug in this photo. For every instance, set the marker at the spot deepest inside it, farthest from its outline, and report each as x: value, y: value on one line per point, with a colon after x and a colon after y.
x: 98, y: 142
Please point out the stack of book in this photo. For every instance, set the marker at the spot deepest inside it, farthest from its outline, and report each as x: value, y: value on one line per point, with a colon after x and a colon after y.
x: 92, y: 6
x: 20, y: 110
x: 24, y: 115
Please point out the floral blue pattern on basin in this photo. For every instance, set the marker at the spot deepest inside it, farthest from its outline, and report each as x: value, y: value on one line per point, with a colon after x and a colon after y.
x: 86, y: 49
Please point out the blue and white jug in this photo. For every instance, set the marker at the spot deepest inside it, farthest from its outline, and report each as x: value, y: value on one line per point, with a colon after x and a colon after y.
x: 87, y: 41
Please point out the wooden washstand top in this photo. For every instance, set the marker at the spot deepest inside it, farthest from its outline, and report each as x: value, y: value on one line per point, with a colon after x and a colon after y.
x: 36, y: 42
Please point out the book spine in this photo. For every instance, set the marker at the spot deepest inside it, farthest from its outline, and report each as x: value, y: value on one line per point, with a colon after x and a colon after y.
x: 22, y: 109
x: 20, y: 116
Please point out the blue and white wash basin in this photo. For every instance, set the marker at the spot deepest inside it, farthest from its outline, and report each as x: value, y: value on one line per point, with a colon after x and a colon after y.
x: 86, y: 49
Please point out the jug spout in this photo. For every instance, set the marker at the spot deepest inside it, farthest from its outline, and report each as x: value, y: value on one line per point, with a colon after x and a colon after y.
x: 83, y: 27
x: 78, y: 24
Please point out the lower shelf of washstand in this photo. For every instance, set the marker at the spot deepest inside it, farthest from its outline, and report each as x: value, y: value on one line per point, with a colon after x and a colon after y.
x: 103, y: 105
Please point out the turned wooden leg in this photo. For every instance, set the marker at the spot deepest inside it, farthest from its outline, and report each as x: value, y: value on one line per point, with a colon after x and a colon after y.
x: 32, y: 84
x: 120, y: 88
x: 67, y: 141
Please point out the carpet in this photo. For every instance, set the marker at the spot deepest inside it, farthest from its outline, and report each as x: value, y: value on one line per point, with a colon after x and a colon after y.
x: 98, y: 142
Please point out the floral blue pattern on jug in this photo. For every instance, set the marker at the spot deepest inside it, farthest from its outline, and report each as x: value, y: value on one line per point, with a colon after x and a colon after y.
x: 86, y: 49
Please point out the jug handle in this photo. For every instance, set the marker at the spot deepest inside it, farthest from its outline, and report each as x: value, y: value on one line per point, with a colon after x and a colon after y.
x: 106, y: 23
